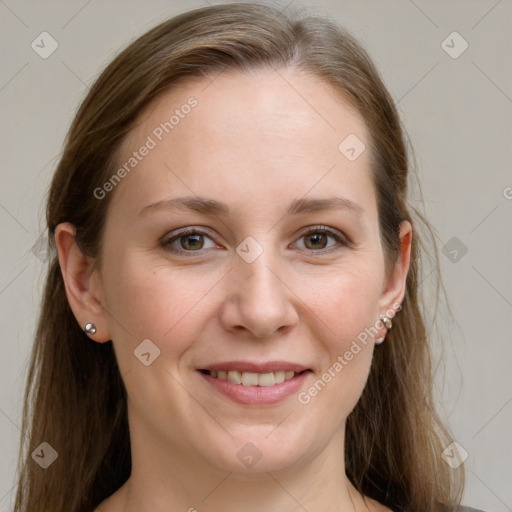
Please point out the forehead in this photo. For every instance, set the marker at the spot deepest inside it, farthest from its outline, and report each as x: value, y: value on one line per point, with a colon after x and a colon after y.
x: 247, y: 137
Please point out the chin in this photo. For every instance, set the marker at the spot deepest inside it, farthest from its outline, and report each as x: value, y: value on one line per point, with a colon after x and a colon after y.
x: 248, y: 456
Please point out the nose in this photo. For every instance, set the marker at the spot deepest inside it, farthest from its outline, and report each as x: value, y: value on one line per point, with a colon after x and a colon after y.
x: 258, y: 300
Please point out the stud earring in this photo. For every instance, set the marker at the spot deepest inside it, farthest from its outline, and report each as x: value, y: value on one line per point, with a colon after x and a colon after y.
x: 89, y: 328
x: 387, y: 321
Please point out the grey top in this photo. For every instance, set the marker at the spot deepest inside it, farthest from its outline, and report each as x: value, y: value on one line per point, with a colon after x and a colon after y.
x: 462, y: 508
x: 469, y: 509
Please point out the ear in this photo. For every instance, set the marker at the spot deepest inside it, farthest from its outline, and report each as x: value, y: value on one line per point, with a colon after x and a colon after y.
x: 395, y: 286
x: 82, y: 283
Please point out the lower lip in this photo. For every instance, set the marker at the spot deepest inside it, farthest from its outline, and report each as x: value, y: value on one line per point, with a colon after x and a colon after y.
x: 257, y: 395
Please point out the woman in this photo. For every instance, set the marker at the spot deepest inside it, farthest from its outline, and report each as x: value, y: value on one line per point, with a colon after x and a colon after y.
x: 233, y: 244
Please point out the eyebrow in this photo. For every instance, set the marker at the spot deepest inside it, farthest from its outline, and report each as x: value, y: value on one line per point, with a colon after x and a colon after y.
x: 213, y: 207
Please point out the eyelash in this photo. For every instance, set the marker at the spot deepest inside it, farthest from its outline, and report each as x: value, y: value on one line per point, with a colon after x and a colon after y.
x: 342, y: 240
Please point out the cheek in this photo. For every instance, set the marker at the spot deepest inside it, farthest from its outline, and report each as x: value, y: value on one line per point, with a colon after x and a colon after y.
x: 345, y: 301
x: 148, y: 301
x: 346, y: 306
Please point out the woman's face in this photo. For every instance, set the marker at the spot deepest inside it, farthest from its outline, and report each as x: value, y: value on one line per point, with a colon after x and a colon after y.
x: 282, y: 270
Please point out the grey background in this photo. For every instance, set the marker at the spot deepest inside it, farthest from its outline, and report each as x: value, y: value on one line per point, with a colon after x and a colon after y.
x: 457, y: 112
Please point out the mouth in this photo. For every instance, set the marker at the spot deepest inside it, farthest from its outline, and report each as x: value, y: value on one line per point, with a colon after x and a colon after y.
x: 266, y: 379
x: 255, y: 384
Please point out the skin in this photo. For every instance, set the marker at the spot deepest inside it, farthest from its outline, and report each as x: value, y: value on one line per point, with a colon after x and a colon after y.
x: 254, y: 143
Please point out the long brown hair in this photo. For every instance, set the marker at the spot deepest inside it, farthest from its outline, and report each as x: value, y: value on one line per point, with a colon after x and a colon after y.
x: 75, y: 398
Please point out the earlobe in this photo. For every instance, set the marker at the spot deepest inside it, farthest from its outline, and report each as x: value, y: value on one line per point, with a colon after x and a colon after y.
x: 82, y: 290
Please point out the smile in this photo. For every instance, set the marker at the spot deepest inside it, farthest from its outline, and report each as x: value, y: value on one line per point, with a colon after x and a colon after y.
x: 251, y: 378
x: 255, y: 388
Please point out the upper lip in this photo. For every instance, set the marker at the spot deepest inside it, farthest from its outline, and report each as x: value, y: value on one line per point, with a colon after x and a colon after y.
x: 248, y: 366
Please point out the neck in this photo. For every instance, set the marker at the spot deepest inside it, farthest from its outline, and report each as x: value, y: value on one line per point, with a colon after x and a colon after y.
x: 175, y: 479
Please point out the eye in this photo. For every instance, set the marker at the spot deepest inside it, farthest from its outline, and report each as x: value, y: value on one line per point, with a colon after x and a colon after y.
x: 317, y: 238
x: 187, y: 241
x: 191, y: 240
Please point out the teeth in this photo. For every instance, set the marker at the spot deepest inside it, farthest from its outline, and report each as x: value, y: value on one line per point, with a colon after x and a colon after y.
x: 235, y: 377
x: 251, y: 378
x: 281, y: 376
x: 266, y: 379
